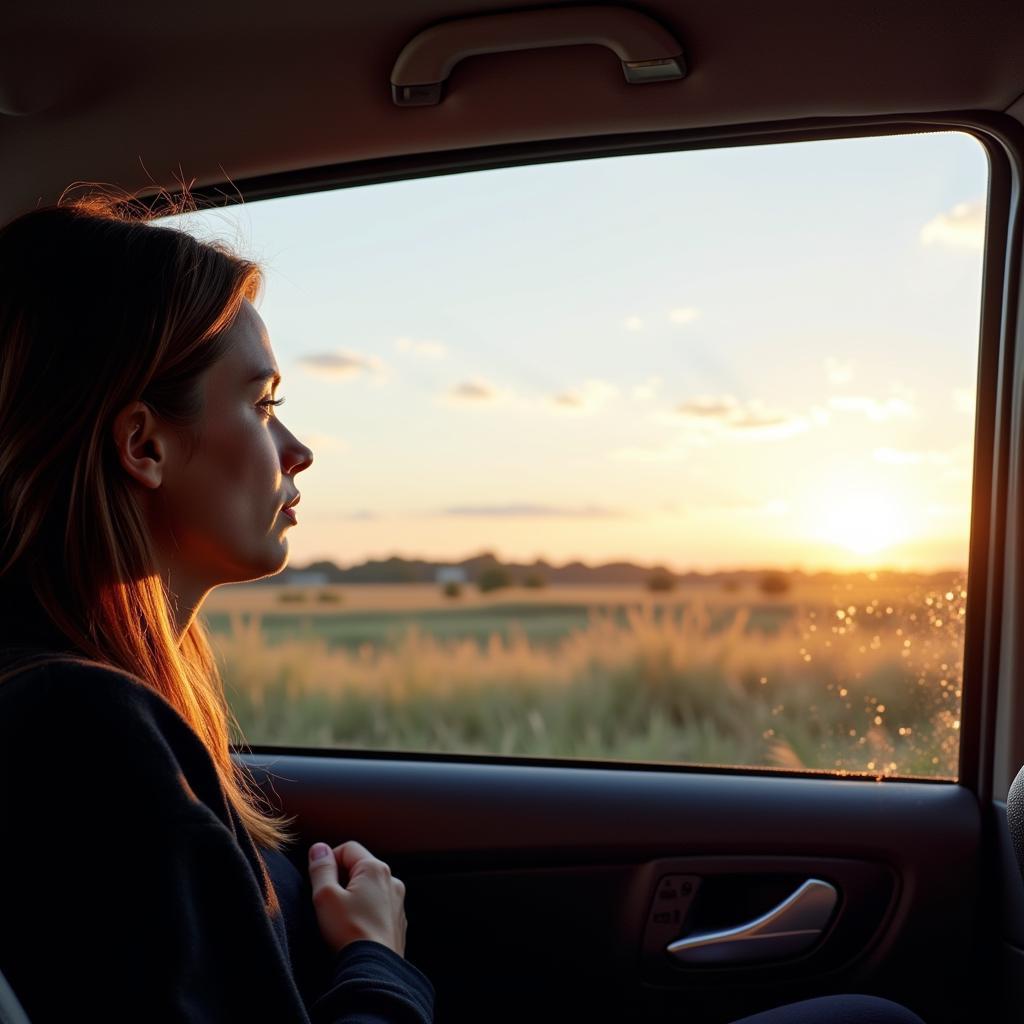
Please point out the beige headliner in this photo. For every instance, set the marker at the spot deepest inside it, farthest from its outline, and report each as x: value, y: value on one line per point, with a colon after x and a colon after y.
x: 214, y: 91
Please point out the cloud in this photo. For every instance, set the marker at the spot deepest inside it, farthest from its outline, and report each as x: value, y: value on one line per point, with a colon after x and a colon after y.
x: 633, y: 323
x: 473, y: 391
x: 527, y: 510
x: 751, y: 417
x: 422, y: 347
x: 339, y: 364
x: 709, y: 406
x: 874, y: 409
x: 963, y: 226
x: 360, y: 515
x: 838, y: 371
x: 684, y: 315
x: 588, y: 397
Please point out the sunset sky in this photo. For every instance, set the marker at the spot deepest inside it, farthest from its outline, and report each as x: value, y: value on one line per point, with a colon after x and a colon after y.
x: 750, y: 357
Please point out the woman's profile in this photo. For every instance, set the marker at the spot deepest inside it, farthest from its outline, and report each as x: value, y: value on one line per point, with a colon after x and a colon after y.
x: 142, y: 463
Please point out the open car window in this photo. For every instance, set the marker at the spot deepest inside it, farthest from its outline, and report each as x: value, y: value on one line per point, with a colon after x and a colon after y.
x: 661, y: 458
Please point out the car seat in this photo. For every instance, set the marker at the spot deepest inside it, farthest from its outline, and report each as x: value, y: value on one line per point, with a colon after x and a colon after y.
x: 1015, y: 817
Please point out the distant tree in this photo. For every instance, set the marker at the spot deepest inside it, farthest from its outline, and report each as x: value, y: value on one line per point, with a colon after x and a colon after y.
x: 730, y: 584
x: 452, y: 589
x: 292, y: 596
x: 493, y: 578
x: 330, y: 597
x: 774, y: 583
x: 660, y: 580
x: 534, y: 580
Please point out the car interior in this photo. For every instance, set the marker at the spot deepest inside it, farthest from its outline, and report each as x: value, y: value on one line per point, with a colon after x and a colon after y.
x: 543, y: 888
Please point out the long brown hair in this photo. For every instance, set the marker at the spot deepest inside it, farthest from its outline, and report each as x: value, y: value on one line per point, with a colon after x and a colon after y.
x: 100, y: 307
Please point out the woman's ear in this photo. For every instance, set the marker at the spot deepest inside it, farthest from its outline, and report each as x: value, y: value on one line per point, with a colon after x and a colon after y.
x: 140, y: 447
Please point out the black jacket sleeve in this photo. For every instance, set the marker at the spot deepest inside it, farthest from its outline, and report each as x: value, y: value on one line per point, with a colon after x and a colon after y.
x: 126, y: 886
x: 372, y: 984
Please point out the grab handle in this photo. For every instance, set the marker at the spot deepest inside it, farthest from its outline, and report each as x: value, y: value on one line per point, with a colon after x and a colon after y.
x: 649, y: 53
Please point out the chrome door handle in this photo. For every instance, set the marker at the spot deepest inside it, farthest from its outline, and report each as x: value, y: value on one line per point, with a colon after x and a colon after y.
x: 792, y: 927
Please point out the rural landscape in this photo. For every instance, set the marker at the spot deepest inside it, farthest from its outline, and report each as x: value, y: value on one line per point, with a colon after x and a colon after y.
x: 845, y: 673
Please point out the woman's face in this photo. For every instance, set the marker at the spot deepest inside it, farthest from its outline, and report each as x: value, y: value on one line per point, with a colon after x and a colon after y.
x: 219, y: 514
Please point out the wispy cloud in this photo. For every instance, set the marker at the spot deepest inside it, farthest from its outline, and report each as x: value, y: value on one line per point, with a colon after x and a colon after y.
x: 683, y: 315
x: 424, y: 347
x: 475, y: 390
x: 588, y: 397
x: 526, y: 510
x: 756, y: 418
x: 709, y: 406
x: 340, y: 363
x: 962, y: 226
x: 752, y: 417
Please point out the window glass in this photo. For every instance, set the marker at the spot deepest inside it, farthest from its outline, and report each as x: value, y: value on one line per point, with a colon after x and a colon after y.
x: 660, y: 458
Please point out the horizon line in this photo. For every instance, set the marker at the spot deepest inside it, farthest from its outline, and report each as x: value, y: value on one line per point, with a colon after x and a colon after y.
x: 647, y: 567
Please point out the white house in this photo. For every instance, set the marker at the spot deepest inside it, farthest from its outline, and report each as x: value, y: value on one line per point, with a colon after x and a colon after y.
x: 450, y: 574
x: 307, y: 578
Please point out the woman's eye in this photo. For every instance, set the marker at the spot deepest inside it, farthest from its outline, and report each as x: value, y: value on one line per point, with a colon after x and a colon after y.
x: 271, y: 401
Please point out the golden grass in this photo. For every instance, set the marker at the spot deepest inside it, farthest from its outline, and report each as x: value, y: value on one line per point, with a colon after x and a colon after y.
x: 851, y: 682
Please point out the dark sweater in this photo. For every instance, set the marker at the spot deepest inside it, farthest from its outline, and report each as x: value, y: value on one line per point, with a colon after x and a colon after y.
x: 130, y: 889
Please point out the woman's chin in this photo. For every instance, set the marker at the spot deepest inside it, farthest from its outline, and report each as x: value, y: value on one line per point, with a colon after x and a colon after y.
x: 273, y: 562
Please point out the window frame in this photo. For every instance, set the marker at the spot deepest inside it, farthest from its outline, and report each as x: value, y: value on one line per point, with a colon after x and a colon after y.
x: 992, y: 709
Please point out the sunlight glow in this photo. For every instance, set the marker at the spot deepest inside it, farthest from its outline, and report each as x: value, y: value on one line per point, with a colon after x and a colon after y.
x: 863, y: 522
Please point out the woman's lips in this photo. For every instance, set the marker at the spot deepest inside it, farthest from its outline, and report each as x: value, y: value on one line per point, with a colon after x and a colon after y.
x: 290, y: 513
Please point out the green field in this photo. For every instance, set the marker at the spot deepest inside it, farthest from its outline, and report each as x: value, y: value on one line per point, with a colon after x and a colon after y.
x: 542, y: 624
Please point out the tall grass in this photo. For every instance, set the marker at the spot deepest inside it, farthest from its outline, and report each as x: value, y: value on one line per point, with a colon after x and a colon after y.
x: 873, y: 687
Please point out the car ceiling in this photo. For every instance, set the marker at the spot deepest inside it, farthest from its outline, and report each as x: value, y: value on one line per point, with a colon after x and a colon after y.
x: 142, y: 94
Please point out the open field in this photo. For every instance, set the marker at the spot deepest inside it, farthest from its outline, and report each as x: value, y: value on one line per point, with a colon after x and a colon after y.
x: 848, y: 675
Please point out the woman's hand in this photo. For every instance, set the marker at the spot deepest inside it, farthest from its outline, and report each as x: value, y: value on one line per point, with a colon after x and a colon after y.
x: 369, y: 906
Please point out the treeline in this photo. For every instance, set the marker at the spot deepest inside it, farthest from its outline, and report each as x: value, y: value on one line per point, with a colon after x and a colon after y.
x: 543, y: 573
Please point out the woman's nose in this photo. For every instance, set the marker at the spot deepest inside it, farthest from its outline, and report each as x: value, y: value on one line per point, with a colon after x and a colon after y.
x: 297, y: 457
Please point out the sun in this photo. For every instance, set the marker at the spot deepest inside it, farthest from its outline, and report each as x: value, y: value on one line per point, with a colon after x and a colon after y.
x: 863, y: 522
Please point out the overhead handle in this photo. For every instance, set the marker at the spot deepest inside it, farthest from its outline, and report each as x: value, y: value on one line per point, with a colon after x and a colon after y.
x: 793, y: 927
x: 649, y: 53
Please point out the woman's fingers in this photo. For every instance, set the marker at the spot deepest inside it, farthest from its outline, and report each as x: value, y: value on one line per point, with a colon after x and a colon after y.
x: 369, y: 906
x: 323, y: 869
x: 353, y: 856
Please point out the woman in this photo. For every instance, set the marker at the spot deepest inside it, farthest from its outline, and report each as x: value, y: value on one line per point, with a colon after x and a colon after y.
x: 141, y: 465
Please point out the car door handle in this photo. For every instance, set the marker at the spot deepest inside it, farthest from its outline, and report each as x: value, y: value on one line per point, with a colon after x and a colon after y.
x: 792, y: 927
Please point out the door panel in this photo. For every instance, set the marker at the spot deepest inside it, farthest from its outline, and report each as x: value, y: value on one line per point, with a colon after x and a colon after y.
x: 530, y: 888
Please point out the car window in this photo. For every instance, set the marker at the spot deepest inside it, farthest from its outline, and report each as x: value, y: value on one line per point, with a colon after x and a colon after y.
x: 659, y: 457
